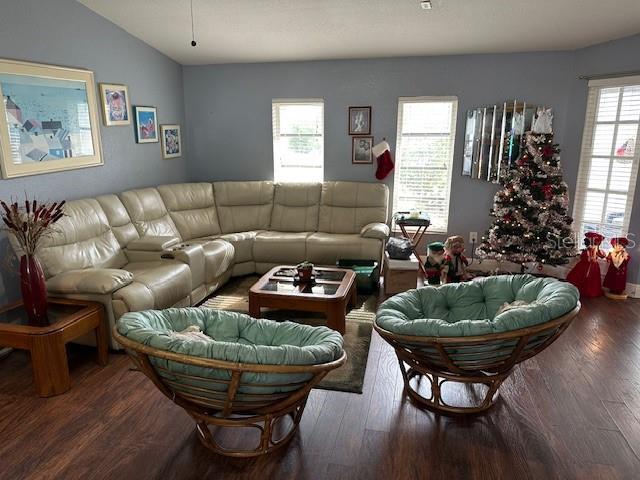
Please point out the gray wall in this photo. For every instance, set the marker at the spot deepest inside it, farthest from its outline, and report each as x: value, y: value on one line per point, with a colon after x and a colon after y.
x: 229, y: 111
x: 64, y: 32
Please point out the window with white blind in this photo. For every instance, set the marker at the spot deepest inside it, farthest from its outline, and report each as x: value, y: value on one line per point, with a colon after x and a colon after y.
x: 424, y: 157
x: 298, y: 140
x: 609, y: 157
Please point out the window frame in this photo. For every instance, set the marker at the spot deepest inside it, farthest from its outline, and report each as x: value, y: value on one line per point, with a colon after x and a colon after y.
x: 452, y: 133
x: 586, y: 156
x: 276, y: 103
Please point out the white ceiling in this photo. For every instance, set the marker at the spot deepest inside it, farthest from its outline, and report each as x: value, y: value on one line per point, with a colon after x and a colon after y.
x: 237, y: 31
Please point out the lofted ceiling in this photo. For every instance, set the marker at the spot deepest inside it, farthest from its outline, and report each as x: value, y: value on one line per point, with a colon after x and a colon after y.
x: 240, y: 31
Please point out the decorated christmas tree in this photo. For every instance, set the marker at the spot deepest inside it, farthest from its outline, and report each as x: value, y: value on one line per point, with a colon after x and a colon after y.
x: 531, y: 223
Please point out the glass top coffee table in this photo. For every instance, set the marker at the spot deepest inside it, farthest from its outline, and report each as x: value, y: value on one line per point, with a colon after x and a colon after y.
x: 332, y: 292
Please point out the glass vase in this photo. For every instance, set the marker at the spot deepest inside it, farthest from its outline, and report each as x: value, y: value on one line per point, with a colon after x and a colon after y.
x: 34, y: 290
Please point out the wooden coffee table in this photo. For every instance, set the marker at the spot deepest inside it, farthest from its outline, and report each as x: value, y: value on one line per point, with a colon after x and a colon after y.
x: 68, y: 320
x: 333, y: 291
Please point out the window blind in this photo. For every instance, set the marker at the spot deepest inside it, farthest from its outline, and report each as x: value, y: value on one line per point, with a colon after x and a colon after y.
x: 609, y: 157
x: 298, y: 140
x: 424, y: 157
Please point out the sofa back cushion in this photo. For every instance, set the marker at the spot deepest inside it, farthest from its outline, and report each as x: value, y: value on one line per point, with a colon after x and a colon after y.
x: 82, y: 238
x: 346, y: 207
x: 243, y: 206
x: 148, y: 213
x: 118, y: 218
x: 192, y: 208
x: 296, y: 207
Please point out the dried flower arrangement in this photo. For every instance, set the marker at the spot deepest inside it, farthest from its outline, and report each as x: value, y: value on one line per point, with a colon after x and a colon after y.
x: 29, y: 223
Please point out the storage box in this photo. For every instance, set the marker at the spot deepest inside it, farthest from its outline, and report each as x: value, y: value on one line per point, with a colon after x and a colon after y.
x: 400, y: 275
x: 367, y: 274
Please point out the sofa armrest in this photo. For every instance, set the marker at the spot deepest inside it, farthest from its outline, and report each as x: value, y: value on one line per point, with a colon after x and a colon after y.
x: 375, y: 230
x: 153, y: 243
x: 90, y: 280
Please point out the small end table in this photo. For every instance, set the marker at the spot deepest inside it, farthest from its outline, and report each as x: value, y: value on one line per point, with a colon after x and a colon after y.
x: 68, y: 320
x: 420, y: 223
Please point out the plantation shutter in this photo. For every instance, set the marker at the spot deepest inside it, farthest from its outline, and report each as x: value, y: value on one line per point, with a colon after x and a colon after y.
x: 424, y: 157
x: 298, y: 140
x: 609, y: 157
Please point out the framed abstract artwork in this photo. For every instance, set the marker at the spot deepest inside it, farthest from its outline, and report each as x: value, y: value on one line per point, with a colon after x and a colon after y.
x: 361, y: 149
x: 359, y: 120
x: 146, y: 123
x: 116, y: 107
x: 171, y: 141
x: 48, y: 119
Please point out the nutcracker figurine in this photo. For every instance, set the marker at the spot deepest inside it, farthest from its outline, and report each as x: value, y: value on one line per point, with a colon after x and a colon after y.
x: 616, y: 279
x: 586, y: 273
x: 434, y: 263
x: 455, y: 262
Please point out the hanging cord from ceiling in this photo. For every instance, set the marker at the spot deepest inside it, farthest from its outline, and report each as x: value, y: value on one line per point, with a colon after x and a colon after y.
x: 193, y: 33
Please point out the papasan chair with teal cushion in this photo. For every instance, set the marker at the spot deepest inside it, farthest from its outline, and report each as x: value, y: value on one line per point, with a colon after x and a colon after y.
x: 473, y: 332
x: 227, y: 369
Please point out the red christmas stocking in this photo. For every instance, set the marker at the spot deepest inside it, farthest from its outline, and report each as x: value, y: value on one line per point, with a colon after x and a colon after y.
x: 383, y: 153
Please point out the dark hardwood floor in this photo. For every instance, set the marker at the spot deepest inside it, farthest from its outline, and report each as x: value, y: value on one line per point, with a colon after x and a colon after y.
x: 571, y: 412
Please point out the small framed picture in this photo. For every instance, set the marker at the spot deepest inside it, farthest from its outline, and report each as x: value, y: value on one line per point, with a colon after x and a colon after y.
x: 116, y: 108
x: 361, y: 149
x: 146, y: 120
x: 171, y: 141
x: 359, y: 120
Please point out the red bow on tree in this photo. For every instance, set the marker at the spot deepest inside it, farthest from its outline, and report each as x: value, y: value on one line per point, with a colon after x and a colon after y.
x: 548, y: 190
x: 548, y: 151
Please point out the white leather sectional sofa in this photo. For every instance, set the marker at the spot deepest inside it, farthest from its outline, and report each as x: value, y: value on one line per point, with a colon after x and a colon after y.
x: 173, y: 245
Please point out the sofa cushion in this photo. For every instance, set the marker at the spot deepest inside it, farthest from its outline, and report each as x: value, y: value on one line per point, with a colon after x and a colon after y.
x: 118, y: 218
x: 296, y: 207
x: 242, y: 243
x: 471, y: 308
x: 165, y: 282
x: 280, y: 247
x: 328, y: 248
x: 149, y: 213
x: 82, y: 239
x: 346, y: 207
x: 243, y: 206
x: 192, y: 208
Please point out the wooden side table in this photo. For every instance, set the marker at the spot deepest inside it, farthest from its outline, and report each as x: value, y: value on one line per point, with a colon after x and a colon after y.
x: 420, y: 224
x: 68, y: 320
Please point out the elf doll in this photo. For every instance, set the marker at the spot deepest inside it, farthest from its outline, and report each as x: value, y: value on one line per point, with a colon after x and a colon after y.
x: 616, y: 279
x: 586, y: 273
x: 455, y: 262
x: 434, y: 264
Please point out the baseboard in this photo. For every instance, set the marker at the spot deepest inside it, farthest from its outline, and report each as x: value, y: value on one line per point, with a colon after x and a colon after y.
x: 633, y: 290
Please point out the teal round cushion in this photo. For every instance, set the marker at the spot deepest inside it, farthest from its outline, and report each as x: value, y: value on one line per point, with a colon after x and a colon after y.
x: 236, y: 338
x: 470, y: 308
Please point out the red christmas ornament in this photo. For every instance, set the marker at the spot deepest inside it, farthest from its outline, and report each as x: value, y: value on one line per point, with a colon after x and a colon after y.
x: 548, y: 151
x: 548, y: 191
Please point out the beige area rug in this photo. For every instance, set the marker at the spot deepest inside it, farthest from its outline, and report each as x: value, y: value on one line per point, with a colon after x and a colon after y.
x: 234, y: 296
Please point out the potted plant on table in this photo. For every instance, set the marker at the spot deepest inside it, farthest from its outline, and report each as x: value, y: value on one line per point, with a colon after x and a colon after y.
x: 305, y: 271
x: 29, y: 223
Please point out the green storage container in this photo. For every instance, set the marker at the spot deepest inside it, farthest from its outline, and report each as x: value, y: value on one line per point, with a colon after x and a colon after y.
x: 367, y: 274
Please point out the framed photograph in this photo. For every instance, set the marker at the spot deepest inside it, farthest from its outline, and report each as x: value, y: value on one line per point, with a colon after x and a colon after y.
x: 146, y: 123
x: 359, y: 120
x: 116, y: 107
x: 361, y: 149
x: 48, y: 119
x: 171, y: 141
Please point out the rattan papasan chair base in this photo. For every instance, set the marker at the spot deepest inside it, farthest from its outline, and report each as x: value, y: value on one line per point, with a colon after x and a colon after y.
x: 451, y: 351
x: 235, y: 394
